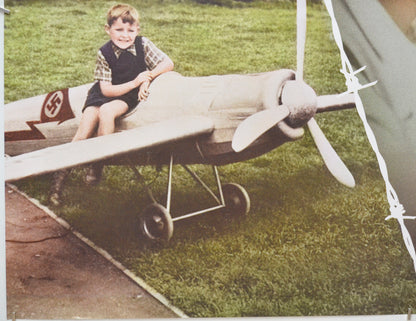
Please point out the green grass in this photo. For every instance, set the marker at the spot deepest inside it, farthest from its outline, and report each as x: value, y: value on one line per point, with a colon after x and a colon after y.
x: 309, y: 246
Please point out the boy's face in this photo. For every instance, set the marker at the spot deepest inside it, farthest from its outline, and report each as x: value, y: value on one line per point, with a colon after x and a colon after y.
x: 122, y: 33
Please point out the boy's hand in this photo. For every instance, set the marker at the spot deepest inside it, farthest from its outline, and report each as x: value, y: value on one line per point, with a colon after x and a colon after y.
x: 143, y: 77
x: 144, y: 90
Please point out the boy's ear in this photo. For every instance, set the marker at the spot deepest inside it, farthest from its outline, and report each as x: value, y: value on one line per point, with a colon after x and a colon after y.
x: 107, y: 29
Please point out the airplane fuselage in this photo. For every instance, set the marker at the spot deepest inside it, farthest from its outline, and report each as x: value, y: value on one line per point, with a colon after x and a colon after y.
x: 53, y: 119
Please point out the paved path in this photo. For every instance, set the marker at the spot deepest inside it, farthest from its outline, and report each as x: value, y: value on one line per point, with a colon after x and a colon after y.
x: 52, y: 274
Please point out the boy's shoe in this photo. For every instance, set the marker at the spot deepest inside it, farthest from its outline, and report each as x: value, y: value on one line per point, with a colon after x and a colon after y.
x: 94, y: 174
x: 57, y: 185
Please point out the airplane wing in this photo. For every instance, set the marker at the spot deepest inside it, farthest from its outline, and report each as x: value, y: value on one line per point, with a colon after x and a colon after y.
x: 100, y: 148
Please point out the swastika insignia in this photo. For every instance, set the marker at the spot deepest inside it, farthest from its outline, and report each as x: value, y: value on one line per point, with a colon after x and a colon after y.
x: 54, y: 104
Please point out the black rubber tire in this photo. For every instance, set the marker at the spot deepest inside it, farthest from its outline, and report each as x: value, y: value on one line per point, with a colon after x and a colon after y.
x: 237, y: 201
x: 156, y: 224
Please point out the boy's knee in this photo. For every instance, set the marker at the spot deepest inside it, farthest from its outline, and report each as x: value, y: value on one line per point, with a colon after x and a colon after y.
x: 89, y: 118
x: 106, y: 112
x: 112, y: 110
x: 91, y: 113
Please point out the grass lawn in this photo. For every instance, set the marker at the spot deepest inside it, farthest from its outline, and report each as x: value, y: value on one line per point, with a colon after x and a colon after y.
x: 309, y: 245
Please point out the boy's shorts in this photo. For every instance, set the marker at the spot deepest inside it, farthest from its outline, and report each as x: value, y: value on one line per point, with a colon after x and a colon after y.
x: 96, y: 98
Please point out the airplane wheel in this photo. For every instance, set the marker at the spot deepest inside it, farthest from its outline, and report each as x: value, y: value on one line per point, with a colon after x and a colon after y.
x: 156, y: 223
x: 237, y: 201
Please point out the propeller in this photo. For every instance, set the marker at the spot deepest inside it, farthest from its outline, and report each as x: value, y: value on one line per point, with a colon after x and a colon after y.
x: 299, y: 105
x: 331, y: 159
x: 256, y: 125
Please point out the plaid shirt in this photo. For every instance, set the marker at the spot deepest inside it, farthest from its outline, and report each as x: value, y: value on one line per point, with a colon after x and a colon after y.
x: 152, y: 56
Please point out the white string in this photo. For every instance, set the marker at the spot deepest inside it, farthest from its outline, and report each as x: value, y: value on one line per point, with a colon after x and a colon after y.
x: 300, y: 37
x: 353, y: 85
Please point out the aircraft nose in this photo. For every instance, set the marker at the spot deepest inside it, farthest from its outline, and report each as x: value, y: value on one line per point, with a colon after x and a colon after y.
x: 301, y: 101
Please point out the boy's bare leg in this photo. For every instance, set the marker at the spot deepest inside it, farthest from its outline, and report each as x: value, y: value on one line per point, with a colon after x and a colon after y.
x: 88, y: 124
x: 86, y: 129
x: 108, y: 113
x: 57, y: 184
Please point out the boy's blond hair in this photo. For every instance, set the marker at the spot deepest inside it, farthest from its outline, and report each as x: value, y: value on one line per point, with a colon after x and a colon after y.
x: 124, y: 11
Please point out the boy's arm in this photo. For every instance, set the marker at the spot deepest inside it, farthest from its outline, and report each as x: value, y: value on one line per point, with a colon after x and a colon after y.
x: 102, y: 74
x: 156, y: 60
x: 110, y: 90
x: 164, y: 66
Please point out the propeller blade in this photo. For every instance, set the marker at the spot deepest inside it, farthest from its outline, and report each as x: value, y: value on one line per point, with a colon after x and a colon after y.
x: 256, y: 125
x: 332, y: 161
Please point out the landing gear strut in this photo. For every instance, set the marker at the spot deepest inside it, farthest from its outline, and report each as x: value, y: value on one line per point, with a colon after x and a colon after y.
x: 156, y: 223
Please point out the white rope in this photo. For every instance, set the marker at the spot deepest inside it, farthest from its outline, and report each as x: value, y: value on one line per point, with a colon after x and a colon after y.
x: 300, y: 37
x: 353, y: 85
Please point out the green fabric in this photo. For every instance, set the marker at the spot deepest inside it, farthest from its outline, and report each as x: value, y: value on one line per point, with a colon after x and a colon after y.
x: 372, y: 39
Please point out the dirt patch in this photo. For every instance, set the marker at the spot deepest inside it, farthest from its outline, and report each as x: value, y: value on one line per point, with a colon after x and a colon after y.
x: 51, y: 274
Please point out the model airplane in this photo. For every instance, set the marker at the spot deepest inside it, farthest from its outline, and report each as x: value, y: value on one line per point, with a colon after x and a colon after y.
x: 212, y: 120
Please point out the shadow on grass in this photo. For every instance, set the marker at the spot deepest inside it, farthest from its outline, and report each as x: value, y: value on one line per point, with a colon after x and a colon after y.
x: 109, y: 213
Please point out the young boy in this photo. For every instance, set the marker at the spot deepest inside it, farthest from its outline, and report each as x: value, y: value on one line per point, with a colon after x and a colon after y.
x: 125, y: 66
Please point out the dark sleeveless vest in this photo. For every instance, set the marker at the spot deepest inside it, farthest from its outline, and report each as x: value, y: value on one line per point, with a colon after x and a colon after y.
x: 124, y: 69
x: 127, y: 66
